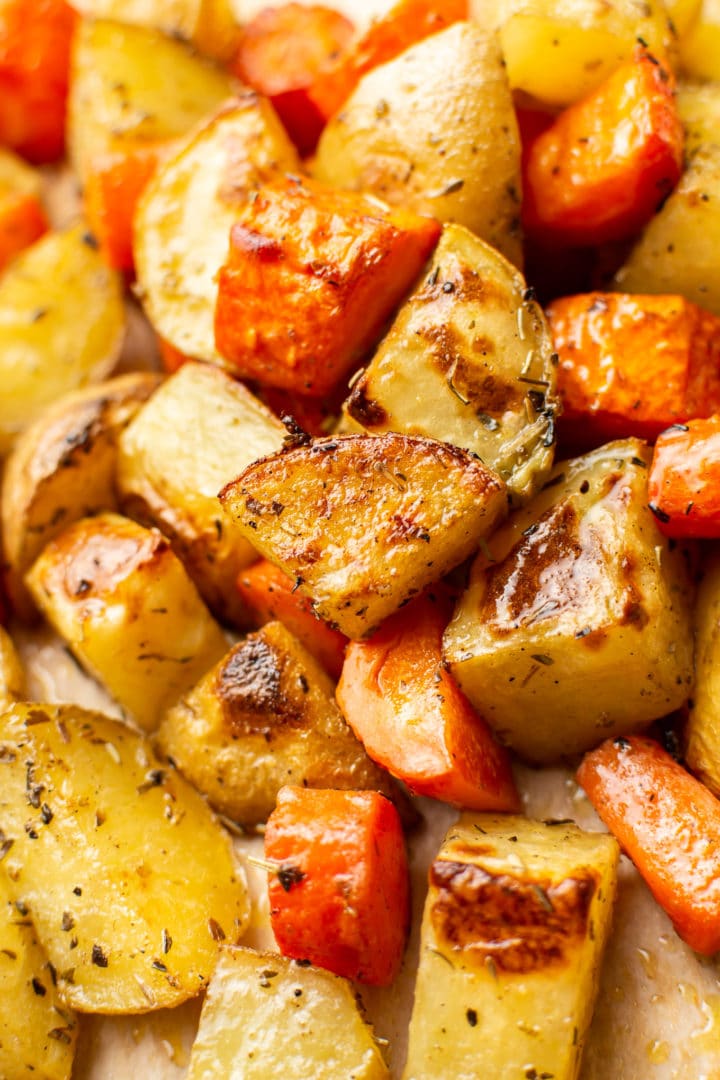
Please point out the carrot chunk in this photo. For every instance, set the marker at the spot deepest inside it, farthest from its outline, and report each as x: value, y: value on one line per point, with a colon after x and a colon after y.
x: 270, y: 594
x: 282, y: 53
x: 669, y: 825
x: 633, y: 365
x: 339, y: 896
x: 407, y: 23
x: 684, y: 481
x: 112, y: 190
x: 603, y: 168
x: 22, y: 221
x: 310, y: 280
x: 405, y: 707
x: 35, y: 37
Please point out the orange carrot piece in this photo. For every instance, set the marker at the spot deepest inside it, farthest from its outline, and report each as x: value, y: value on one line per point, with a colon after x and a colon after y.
x: 270, y: 594
x: 684, y: 481
x: 633, y: 365
x: 605, y: 165
x: 340, y: 894
x: 22, y: 222
x: 35, y: 38
x: 170, y: 357
x: 112, y: 189
x: 282, y: 53
x: 669, y: 825
x: 415, y: 721
x: 407, y: 23
x: 311, y: 277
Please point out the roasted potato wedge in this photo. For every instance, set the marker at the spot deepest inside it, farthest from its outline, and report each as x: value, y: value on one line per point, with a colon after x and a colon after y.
x: 12, y: 676
x: 263, y: 717
x: 699, y: 108
x: 268, y: 1016
x: 210, y: 25
x: 129, y: 879
x: 123, y: 602
x: 700, y: 45
x: 468, y: 361
x: 61, y: 326
x: 37, y: 1033
x: 364, y: 522
x: 702, y: 731
x: 179, y: 251
x: 435, y: 131
x: 17, y: 175
x: 62, y: 468
x: 197, y: 432
x: 514, y: 929
x: 576, y: 624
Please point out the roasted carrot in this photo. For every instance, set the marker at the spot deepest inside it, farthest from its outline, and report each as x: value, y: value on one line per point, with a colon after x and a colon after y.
x: 633, y: 365
x: 669, y: 825
x: 405, y: 706
x: 684, y: 481
x: 270, y: 594
x: 35, y: 37
x: 407, y: 23
x: 606, y: 164
x: 311, y: 277
x: 112, y: 189
x: 22, y: 221
x: 282, y: 53
x: 338, y: 887
x: 170, y: 357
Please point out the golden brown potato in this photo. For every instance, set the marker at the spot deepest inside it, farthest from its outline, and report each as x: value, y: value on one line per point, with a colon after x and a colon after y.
x: 12, y: 676
x: 364, y: 522
x: 61, y: 326
x: 179, y: 250
x: 266, y: 1016
x: 702, y: 731
x: 17, y: 175
x: 129, y: 878
x: 700, y: 45
x: 210, y: 25
x: 576, y: 623
x: 123, y: 602
x: 263, y: 717
x: 699, y: 108
x: 468, y: 361
x: 514, y: 929
x: 198, y: 431
x: 62, y: 468
x: 435, y: 131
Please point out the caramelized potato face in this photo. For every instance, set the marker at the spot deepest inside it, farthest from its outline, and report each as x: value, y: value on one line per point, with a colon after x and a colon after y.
x: 364, y: 522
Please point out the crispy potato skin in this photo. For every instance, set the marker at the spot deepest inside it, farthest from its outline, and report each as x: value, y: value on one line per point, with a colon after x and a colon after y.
x: 364, y: 522
x: 263, y: 717
x: 130, y: 880
x: 515, y: 923
x: 62, y: 468
x: 122, y: 600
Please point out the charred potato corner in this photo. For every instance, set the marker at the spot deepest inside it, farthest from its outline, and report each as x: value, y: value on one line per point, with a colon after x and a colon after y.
x: 359, y: 523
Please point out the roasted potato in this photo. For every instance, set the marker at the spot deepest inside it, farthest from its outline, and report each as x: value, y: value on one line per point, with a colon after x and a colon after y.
x: 699, y: 108
x: 702, y: 731
x: 129, y: 878
x: 123, y: 602
x: 61, y: 326
x: 514, y: 929
x: 435, y: 131
x: 12, y: 676
x: 266, y: 1016
x: 193, y: 437
x: 576, y: 624
x: 17, y: 175
x: 469, y: 361
x: 364, y: 522
x: 263, y: 717
x: 179, y: 251
x: 62, y: 468
x: 700, y: 45
x: 210, y: 25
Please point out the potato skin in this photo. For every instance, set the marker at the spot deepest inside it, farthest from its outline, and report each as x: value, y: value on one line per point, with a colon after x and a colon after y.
x: 363, y: 522
x: 263, y: 717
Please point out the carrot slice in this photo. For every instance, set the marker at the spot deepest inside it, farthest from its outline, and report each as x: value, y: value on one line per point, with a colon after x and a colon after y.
x: 282, y: 52
x: 669, y: 825
x: 35, y: 38
x: 405, y: 707
x: 633, y: 365
x: 684, y: 481
x: 606, y: 164
x: 270, y: 594
x: 339, y: 895
x: 407, y: 23
x: 112, y: 190
x: 22, y: 221
x: 310, y: 280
